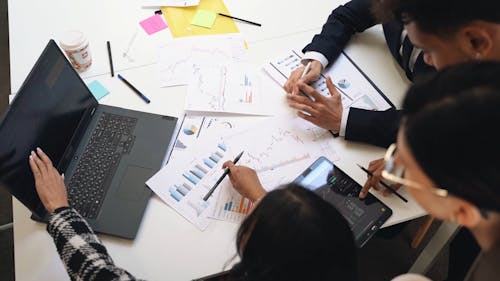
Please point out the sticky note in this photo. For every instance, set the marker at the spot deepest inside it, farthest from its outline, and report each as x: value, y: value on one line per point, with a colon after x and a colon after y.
x: 153, y: 24
x: 97, y: 89
x: 204, y: 18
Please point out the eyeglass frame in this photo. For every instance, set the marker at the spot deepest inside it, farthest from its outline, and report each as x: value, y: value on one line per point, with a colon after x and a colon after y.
x: 386, y: 174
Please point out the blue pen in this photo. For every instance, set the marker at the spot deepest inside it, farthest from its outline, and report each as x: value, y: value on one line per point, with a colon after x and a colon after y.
x: 134, y: 89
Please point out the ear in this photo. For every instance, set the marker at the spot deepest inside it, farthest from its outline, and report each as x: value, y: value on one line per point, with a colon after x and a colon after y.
x: 466, y: 214
x: 476, y: 40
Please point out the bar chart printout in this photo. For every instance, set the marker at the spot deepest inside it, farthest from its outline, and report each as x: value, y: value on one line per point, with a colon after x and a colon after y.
x: 182, y: 185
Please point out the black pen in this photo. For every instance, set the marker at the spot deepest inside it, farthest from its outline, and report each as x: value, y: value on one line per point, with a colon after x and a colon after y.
x: 143, y: 97
x: 235, y: 18
x: 384, y: 184
x: 226, y: 172
x: 110, y: 59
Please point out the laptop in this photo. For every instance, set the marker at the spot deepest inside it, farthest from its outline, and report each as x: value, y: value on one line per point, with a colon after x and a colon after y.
x: 106, y: 153
x: 364, y: 216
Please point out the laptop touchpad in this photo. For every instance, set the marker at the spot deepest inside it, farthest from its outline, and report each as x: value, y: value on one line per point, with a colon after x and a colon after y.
x: 133, y: 186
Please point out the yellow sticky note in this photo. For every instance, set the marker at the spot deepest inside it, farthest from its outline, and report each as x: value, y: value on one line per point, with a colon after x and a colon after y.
x: 179, y: 19
x: 204, y: 18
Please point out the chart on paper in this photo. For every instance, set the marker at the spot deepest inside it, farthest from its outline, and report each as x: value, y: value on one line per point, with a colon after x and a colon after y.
x: 354, y: 89
x: 226, y: 88
x: 183, y: 185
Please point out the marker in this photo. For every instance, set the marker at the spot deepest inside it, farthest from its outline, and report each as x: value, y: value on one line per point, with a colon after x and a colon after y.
x: 143, y: 97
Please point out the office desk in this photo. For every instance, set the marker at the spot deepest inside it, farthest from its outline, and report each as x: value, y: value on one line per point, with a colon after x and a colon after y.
x: 167, y: 246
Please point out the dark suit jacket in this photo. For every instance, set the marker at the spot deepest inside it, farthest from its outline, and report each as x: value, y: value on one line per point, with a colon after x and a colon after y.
x: 375, y: 127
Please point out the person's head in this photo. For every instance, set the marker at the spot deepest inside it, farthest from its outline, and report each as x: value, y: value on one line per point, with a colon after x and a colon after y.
x: 448, y: 143
x: 292, y: 234
x: 449, y: 32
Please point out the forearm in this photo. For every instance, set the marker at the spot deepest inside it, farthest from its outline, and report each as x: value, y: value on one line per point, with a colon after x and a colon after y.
x: 83, y: 255
x: 343, y: 22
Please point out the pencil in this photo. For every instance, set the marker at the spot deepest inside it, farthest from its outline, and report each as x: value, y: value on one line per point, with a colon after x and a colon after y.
x: 384, y: 184
x: 110, y: 59
x: 235, y: 18
x: 226, y: 172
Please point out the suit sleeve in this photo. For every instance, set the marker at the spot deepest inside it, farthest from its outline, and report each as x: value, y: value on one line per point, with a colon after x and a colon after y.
x: 343, y: 22
x: 379, y: 128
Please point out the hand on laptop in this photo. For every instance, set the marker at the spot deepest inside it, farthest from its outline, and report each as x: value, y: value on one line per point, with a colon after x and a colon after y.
x: 245, y: 181
x: 376, y: 167
x: 312, y: 75
x: 49, y: 183
x: 324, y: 112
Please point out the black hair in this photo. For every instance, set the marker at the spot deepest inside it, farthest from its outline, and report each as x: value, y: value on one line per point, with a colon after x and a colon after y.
x: 451, y: 121
x: 293, y: 234
x: 437, y: 16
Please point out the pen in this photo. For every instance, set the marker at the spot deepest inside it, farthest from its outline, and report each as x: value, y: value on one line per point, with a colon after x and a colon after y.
x: 110, y: 59
x: 306, y: 70
x: 384, y: 184
x: 134, y: 89
x: 235, y: 18
x: 226, y: 172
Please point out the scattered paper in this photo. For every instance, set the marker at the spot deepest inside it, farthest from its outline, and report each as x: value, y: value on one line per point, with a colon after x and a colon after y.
x: 153, y: 24
x: 179, y: 19
x: 204, y: 18
x: 170, y: 3
x: 178, y: 57
x: 97, y: 89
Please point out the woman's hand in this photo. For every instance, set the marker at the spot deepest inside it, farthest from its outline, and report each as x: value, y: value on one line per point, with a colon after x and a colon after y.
x: 245, y: 181
x: 48, y: 182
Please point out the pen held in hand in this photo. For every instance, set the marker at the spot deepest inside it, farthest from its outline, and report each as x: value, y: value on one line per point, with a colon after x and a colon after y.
x: 384, y: 184
x: 306, y: 69
x: 226, y: 172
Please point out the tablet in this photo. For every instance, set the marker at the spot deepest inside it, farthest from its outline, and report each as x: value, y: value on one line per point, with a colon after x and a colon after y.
x: 365, y: 216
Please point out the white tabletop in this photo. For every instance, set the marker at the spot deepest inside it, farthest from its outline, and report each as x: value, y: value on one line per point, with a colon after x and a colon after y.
x: 167, y: 246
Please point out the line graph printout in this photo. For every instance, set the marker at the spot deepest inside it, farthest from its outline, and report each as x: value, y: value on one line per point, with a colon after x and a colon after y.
x: 354, y: 88
x: 178, y: 56
x: 231, y: 88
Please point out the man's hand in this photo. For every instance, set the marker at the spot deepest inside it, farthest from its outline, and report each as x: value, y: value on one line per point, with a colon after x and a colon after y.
x: 324, y: 112
x: 376, y: 167
x: 312, y: 75
x: 245, y: 181
x: 48, y: 182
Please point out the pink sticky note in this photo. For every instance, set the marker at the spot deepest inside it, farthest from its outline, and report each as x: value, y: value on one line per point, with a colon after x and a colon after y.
x: 153, y: 24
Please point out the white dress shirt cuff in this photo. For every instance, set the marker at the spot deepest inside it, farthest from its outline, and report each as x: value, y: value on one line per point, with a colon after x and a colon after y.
x: 343, y: 121
x: 315, y: 56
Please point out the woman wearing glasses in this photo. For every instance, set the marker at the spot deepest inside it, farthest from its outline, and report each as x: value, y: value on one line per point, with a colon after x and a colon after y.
x: 448, y: 154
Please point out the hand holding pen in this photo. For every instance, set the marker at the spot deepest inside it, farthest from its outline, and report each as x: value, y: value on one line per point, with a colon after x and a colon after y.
x: 245, y: 181
x: 226, y: 172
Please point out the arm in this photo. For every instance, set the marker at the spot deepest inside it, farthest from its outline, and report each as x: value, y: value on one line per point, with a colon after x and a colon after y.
x: 83, y: 255
x: 379, y: 128
x: 343, y: 22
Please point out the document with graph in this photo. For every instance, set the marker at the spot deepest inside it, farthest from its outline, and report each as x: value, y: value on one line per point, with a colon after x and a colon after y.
x: 229, y: 88
x: 353, y: 85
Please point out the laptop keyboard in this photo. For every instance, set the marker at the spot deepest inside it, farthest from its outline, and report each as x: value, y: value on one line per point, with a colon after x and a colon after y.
x: 111, y: 139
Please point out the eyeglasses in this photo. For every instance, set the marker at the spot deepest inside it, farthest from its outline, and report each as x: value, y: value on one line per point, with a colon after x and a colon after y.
x: 393, y: 173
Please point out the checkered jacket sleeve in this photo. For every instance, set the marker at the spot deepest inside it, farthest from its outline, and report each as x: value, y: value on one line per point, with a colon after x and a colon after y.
x: 81, y: 251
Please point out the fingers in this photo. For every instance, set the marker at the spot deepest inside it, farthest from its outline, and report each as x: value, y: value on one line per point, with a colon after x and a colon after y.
x: 364, y: 190
x: 306, y: 117
x: 44, y: 157
x: 39, y: 163
x: 228, y: 164
x: 292, y: 80
x: 304, y: 108
x: 308, y: 90
x: 331, y: 88
x: 34, y: 167
x: 301, y: 99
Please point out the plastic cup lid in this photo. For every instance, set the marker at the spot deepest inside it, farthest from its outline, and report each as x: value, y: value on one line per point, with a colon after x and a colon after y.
x: 72, y: 39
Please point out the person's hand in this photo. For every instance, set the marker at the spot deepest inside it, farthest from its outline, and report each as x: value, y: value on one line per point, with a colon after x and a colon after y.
x: 48, y: 182
x: 245, y: 181
x: 376, y: 167
x: 324, y: 112
x: 312, y: 75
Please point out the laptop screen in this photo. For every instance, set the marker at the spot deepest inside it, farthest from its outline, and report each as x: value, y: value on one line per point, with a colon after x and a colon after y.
x: 45, y: 113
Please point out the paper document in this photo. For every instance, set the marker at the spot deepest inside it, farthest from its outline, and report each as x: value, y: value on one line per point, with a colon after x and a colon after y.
x: 353, y: 87
x: 170, y: 3
x: 179, y: 19
x: 177, y: 57
x: 231, y: 88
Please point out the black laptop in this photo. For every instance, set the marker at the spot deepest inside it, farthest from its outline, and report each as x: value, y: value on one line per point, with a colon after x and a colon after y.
x: 106, y: 153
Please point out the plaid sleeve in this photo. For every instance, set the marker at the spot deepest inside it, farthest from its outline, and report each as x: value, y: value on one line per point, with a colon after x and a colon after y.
x: 81, y: 251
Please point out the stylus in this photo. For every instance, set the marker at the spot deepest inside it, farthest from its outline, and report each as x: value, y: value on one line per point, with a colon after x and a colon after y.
x: 384, y: 184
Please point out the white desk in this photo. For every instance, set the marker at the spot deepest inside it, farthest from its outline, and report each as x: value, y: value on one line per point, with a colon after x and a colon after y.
x: 167, y: 246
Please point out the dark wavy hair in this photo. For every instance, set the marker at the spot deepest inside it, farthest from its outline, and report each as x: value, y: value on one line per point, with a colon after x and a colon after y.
x: 451, y: 121
x: 437, y: 16
x: 293, y: 234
